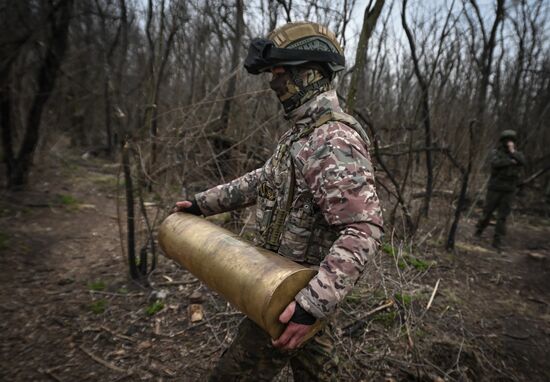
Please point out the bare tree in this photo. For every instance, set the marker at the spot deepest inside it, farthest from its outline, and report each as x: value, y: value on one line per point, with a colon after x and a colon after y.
x: 57, y: 27
x: 287, y: 7
x: 236, y: 40
x: 371, y: 15
x: 425, y: 78
x: 159, y: 52
x: 484, y: 60
x: 167, y: 74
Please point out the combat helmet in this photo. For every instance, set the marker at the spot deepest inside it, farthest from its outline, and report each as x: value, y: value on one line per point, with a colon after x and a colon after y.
x: 296, y: 44
x: 508, y: 135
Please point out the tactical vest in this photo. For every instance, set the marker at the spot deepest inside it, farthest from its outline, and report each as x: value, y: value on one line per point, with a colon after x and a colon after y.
x: 288, y: 220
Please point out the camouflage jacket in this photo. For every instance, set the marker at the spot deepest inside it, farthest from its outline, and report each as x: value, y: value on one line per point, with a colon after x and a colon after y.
x: 505, y: 170
x: 315, y: 199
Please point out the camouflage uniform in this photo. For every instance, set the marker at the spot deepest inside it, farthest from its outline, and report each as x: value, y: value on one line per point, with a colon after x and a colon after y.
x: 317, y: 205
x: 251, y: 357
x: 505, y: 174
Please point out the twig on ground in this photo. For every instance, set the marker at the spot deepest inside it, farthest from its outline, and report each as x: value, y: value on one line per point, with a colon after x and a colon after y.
x: 138, y: 294
x: 115, y: 334
x: 433, y: 295
x: 49, y: 373
x: 173, y: 283
x: 103, y: 362
x: 353, y: 326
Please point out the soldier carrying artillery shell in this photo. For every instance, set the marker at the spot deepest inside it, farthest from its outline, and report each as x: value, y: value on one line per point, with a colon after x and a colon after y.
x: 316, y: 204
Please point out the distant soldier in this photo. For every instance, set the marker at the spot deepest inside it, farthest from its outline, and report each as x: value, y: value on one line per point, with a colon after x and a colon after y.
x: 315, y: 200
x: 506, y: 165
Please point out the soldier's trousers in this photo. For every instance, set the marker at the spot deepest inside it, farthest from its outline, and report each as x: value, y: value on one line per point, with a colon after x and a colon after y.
x: 501, y: 202
x: 251, y: 357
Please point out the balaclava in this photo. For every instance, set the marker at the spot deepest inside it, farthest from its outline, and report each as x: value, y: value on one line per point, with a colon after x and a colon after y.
x: 298, y: 85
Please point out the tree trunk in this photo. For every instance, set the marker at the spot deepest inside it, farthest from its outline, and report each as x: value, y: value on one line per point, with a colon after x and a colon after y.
x: 6, y: 125
x: 56, y: 46
x: 159, y: 54
x: 461, y: 203
x: 130, y: 214
x: 221, y: 144
x: 487, y: 57
x: 425, y: 112
x: 232, y: 84
x: 369, y: 23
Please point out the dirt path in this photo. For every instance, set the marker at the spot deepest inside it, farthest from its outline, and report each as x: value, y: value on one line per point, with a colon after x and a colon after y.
x: 506, y: 296
x: 59, y: 237
x: 505, y: 299
x: 69, y: 313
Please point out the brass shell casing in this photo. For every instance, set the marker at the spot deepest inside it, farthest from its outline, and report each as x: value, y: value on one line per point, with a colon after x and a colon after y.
x: 256, y: 281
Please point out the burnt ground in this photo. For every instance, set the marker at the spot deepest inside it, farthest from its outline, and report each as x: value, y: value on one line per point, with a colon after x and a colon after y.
x: 69, y: 311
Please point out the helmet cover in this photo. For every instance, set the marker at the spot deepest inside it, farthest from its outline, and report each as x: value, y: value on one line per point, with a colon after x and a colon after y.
x: 296, y: 44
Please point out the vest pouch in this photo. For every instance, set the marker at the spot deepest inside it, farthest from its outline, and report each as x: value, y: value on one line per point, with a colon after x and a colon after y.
x: 264, y: 213
x: 298, y: 229
x: 296, y: 236
x: 323, y: 237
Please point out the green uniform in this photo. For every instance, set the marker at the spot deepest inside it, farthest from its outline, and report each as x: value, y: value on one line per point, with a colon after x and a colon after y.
x: 505, y: 175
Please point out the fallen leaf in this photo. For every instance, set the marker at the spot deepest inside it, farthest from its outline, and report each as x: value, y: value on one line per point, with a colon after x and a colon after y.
x: 144, y: 345
x: 195, y: 312
x: 119, y: 352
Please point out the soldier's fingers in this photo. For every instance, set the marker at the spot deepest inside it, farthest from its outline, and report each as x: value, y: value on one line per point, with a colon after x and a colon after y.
x: 284, y: 338
x: 184, y: 204
x: 296, y: 338
x: 292, y: 344
x: 287, y: 313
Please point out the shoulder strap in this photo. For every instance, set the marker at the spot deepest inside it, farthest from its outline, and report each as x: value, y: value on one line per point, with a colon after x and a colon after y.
x: 338, y: 117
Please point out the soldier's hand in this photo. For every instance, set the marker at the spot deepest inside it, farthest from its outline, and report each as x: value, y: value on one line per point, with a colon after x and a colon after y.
x: 190, y: 207
x: 294, y: 332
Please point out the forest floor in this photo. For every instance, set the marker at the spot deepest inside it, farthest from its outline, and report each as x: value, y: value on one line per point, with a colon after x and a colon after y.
x: 68, y: 311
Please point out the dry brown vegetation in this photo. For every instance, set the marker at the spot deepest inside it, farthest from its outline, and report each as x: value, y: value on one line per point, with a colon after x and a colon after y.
x: 157, y: 90
x: 70, y: 311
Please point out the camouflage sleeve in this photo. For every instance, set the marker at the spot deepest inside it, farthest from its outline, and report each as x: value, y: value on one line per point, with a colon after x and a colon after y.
x: 238, y: 193
x: 340, y: 269
x: 336, y: 166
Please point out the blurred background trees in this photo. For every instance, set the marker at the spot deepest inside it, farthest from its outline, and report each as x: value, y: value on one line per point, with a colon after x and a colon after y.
x: 433, y: 81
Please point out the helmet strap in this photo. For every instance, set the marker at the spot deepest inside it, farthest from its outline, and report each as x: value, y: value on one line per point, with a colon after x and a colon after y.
x: 299, y: 98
